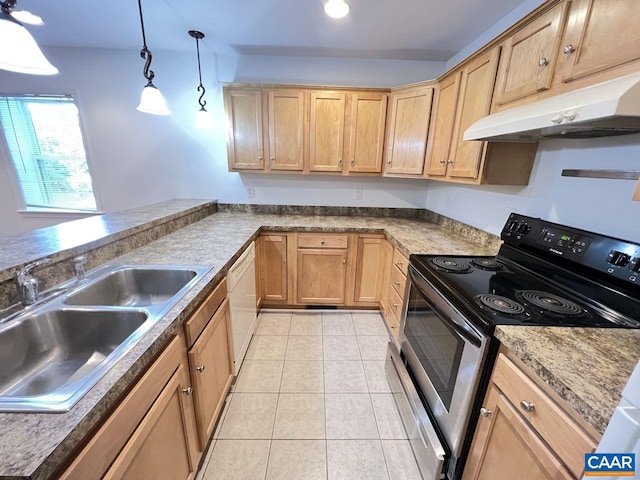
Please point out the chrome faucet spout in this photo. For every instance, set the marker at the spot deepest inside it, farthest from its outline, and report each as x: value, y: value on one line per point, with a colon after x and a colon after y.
x: 28, y: 285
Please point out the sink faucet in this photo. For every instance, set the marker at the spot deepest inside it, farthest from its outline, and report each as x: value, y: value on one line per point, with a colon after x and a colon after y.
x: 28, y: 285
x: 79, y: 263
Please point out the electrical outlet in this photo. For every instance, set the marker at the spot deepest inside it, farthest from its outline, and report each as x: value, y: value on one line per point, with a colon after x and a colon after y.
x: 251, y: 191
x: 358, y: 194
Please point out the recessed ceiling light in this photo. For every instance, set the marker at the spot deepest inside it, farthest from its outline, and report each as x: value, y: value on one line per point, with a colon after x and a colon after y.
x: 336, y: 8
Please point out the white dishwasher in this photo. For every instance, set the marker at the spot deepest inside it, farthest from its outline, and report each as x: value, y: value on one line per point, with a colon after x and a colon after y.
x: 241, y: 287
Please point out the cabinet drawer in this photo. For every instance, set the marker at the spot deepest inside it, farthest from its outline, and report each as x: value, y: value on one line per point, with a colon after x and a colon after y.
x: 392, y: 322
x: 398, y: 280
x: 562, y: 434
x: 195, y: 324
x: 395, y: 303
x: 322, y: 241
x: 400, y: 261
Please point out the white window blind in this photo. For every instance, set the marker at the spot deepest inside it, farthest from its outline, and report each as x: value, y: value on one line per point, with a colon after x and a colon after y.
x: 45, y: 143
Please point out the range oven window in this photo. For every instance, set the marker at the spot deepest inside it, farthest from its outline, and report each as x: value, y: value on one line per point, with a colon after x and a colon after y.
x: 437, y: 346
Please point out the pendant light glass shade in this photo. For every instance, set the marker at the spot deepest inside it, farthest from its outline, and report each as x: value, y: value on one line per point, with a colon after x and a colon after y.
x: 152, y: 101
x: 20, y: 52
x: 204, y: 120
x: 336, y: 8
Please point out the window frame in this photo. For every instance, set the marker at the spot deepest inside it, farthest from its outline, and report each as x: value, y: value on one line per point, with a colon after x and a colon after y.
x: 14, y: 179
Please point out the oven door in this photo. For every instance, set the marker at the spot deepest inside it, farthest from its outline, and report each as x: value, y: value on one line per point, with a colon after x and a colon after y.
x: 446, y: 354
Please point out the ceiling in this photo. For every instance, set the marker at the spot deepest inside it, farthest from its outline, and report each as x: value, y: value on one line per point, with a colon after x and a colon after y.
x: 385, y: 29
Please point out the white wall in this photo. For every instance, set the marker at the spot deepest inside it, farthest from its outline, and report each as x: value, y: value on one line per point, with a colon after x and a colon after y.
x: 138, y: 159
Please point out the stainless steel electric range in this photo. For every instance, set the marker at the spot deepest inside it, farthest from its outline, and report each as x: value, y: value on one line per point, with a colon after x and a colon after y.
x: 545, y: 274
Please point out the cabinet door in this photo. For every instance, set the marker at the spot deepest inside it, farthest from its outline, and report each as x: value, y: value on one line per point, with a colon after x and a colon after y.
x: 529, y: 56
x: 211, y: 365
x: 505, y: 446
x: 326, y: 137
x: 371, y: 257
x: 408, y: 130
x: 442, y: 129
x: 245, y: 148
x: 163, y: 446
x: 366, y: 132
x: 476, y: 90
x: 286, y: 130
x: 321, y: 276
x: 272, y: 263
x: 601, y: 34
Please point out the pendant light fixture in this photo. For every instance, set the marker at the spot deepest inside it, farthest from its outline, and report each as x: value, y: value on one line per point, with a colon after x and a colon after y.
x: 336, y: 8
x: 151, y: 100
x: 203, y: 119
x: 20, y: 52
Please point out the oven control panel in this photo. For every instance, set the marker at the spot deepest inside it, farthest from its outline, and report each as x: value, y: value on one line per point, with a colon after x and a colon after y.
x: 614, y: 257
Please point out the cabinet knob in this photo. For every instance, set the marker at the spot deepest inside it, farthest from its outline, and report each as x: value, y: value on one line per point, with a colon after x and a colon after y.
x: 395, y: 305
x: 569, y: 49
x: 443, y: 161
x: 339, y: 161
x: 396, y: 282
x: 200, y: 368
x: 187, y: 391
x: 399, y: 264
x: 485, y: 413
x: 321, y: 242
x: 344, y: 261
x: 272, y: 159
x: 260, y: 159
x: 543, y: 62
x: 449, y: 161
x: 527, y: 406
x: 352, y: 161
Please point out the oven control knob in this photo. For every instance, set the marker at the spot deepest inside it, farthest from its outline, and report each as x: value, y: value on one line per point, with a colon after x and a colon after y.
x: 618, y: 259
x: 513, y: 225
x: 523, y: 229
x: 634, y: 266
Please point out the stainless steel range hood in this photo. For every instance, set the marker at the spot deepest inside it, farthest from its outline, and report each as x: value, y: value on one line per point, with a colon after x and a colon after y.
x: 605, y: 109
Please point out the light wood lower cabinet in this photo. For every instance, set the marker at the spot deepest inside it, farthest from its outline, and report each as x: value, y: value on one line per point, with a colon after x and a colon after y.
x: 151, y: 433
x: 321, y: 276
x: 211, y: 366
x: 523, y: 433
x: 372, y: 255
x: 273, y: 267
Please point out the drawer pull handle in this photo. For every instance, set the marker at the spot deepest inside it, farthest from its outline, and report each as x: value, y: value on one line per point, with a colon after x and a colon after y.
x: 527, y: 406
x: 485, y: 413
x: 569, y: 49
x: 396, y: 282
x: 321, y: 242
x: 543, y: 62
x: 200, y: 368
x: 399, y: 264
x: 395, y: 305
x: 187, y: 391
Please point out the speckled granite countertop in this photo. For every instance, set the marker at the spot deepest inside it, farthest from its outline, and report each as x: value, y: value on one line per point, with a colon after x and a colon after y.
x: 35, y: 445
x: 587, y: 367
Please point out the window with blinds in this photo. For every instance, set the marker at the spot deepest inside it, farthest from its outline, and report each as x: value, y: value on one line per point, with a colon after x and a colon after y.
x: 44, y: 140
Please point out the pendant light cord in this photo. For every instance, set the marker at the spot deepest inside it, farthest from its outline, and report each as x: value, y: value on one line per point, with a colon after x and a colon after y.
x: 145, y: 53
x: 200, y: 87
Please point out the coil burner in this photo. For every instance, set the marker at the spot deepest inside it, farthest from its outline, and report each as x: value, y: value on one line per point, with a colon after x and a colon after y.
x: 487, y: 264
x: 450, y: 265
x: 550, y: 303
x: 500, y: 304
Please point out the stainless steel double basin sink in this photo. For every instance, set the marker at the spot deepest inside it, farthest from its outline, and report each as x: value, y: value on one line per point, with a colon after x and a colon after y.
x: 52, y: 353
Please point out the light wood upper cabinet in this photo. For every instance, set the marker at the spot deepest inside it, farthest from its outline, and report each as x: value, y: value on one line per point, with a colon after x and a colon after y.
x: 368, y: 115
x: 286, y: 129
x: 273, y: 267
x: 407, y: 131
x: 245, y: 147
x: 601, y: 34
x: 326, y: 131
x: 442, y: 128
x: 211, y: 365
x: 529, y: 57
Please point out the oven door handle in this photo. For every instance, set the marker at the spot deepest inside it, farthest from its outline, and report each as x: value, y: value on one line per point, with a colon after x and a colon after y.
x: 466, y: 334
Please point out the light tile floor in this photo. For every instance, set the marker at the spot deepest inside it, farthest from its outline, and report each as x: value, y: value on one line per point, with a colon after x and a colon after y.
x: 312, y: 402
